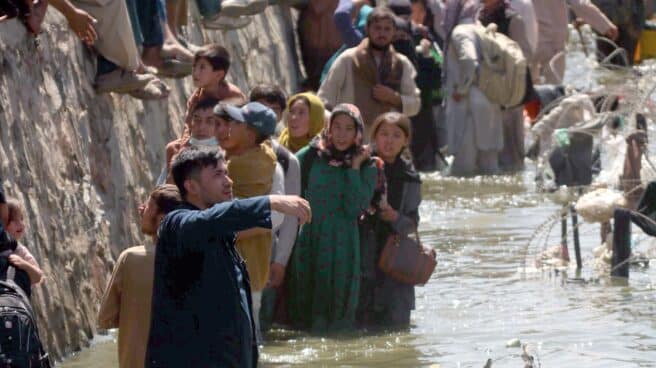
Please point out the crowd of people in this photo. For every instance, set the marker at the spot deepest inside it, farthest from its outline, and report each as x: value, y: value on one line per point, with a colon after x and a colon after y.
x: 275, y: 209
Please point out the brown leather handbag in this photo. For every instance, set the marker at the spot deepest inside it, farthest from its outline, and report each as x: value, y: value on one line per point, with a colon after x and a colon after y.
x: 407, y: 260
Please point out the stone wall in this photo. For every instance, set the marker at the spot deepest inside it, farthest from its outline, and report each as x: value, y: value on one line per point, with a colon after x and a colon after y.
x: 82, y: 162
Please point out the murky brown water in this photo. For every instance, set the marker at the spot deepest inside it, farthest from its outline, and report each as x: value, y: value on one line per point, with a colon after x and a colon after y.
x: 480, y: 297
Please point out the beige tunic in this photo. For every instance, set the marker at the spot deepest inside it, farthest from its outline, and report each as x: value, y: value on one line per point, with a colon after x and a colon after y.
x: 127, y: 301
x: 115, y: 38
x: 338, y: 86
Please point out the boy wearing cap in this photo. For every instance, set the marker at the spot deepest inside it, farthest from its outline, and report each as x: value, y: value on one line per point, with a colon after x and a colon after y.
x: 254, y: 171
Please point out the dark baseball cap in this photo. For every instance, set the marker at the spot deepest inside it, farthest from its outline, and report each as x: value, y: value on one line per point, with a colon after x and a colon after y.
x: 260, y: 117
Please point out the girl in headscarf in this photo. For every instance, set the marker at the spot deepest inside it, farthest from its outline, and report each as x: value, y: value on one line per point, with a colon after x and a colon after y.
x: 305, y: 120
x: 385, y: 301
x: 324, y: 272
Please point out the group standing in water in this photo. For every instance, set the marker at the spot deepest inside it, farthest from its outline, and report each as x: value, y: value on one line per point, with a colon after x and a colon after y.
x: 233, y: 248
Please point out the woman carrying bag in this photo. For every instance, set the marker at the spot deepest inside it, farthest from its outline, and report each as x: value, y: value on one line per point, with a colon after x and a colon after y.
x: 385, y: 301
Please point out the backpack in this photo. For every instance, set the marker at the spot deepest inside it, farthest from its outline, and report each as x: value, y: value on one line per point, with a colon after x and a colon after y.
x: 20, y: 345
x: 502, y: 67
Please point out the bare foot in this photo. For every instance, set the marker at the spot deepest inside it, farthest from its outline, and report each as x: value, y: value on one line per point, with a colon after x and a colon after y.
x: 174, y: 49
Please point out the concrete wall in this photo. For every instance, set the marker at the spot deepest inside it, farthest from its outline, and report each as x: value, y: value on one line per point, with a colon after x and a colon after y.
x: 82, y: 162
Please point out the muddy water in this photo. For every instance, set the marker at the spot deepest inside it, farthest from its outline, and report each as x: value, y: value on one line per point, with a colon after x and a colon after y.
x: 481, y: 296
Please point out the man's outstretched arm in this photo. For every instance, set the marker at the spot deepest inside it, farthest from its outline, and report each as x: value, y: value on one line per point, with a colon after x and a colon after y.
x: 231, y: 217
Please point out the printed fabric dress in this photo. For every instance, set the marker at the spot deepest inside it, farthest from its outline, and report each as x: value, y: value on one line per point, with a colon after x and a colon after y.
x: 323, y: 278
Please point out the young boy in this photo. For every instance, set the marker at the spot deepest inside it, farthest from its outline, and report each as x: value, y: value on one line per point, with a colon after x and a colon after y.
x: 283, y: 239
x: 253, y: 168
x: 211, y: 65
x: 202, y: 130
x: 270, y: 96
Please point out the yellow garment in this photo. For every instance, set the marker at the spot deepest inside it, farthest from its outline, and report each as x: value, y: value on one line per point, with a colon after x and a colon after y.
x: 252, y: 175
x: 316, y: 123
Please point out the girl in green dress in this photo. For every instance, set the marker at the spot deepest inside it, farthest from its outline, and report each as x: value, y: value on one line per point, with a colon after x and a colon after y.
x: 338, y: 179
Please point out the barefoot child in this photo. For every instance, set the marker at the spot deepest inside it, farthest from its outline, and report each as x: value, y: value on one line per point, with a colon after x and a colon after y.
x: 211, y: 65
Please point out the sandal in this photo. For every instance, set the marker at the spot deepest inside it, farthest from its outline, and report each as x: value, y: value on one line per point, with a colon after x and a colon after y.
x: 173, y: 68
x: 154, y: 90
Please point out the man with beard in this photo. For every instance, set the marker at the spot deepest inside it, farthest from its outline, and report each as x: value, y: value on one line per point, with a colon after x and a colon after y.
x: 202, y: 306
x: 372, y: 75
x: 127, y: 299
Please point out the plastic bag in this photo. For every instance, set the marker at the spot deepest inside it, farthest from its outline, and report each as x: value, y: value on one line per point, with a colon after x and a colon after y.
x: 598, y: 205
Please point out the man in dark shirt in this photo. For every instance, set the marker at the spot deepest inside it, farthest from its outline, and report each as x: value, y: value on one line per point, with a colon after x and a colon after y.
x: 201, y: 309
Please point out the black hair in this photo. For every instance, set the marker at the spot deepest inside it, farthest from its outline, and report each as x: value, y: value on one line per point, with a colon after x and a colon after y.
x: 205, y: 103
x: 190, y: 161
x: 166, y: 197
x: 381, y: 13
x: 270, y: 93
x: 216, y: 55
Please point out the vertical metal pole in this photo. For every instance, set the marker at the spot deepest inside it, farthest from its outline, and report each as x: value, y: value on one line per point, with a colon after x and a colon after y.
x: 577, y: 244
x: 621, y: 243
x: 563, y: 227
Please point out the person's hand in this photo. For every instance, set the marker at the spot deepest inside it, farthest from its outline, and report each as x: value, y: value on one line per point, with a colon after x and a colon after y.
x: 612, y: 33
x: 388, y: 214
x: 384, y: 94
x: 578, y: 23
x: 276, y: 275
x: 191, y: 102
x: 82, y: 23
x: 361, y: 157
x: 293, y: 206
x: 424, y: 47
x: 17, y: 261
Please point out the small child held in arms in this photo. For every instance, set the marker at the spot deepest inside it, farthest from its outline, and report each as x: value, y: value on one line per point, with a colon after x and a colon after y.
x: 21, y: 258
x: 211, y: 65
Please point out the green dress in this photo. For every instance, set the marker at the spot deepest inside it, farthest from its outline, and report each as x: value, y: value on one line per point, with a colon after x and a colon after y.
x: 324, y: 271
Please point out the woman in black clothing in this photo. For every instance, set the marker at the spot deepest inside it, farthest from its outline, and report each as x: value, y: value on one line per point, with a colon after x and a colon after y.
x: 384, y: 301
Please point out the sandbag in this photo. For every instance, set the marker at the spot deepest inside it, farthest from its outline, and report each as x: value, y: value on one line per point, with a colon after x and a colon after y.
x: 598, y: 205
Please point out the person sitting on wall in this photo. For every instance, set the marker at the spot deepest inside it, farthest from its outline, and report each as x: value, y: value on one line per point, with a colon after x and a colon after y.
x: 105, y: 25
x: 211, y: 66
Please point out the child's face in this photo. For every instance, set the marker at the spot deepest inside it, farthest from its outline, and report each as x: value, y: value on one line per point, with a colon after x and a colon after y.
x: 16, y: 228
x: 223, y: 132
x: 203, y: 124
x: 390, y: 140
x: 343, y: 132
x: 204, y: 74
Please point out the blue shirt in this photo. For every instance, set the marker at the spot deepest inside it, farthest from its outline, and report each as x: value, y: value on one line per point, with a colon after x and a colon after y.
x: 201, y: 312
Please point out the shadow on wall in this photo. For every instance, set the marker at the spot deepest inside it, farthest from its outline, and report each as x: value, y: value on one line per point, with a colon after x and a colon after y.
x: 82, y: 162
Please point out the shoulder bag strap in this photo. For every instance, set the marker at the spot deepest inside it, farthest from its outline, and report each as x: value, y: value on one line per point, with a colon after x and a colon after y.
x: 400, y: 210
